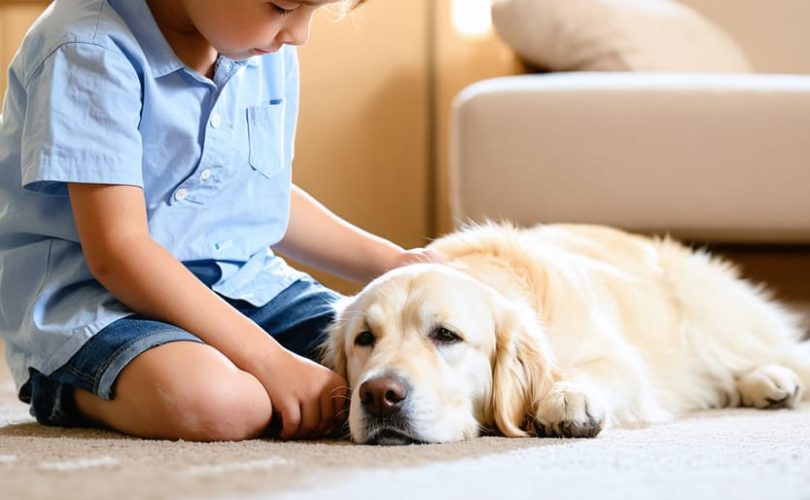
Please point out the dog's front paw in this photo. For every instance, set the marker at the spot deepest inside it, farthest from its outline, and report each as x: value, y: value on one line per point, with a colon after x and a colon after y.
x: 568, y: 411
x: 770, y: 387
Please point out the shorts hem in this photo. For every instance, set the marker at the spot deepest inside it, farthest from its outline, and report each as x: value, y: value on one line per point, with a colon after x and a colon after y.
x: 103, y: 386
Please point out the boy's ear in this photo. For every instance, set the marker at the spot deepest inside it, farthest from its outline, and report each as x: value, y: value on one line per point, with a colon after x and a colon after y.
x: 333, y: 350
x: 522, y: 369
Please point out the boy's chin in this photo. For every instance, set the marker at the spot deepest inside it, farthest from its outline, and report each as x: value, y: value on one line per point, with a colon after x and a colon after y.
x: 241, y: 56
x: 247, y: 54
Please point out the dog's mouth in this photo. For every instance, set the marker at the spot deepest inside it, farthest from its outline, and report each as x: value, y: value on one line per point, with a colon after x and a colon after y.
x: 391, y: 436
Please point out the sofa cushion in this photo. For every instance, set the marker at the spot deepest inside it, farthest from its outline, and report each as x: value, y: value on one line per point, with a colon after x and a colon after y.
x: 616, y: 35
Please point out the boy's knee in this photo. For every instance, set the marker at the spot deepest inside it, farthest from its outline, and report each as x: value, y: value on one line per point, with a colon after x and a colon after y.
x: 184, y: 390
x: 218, y: 410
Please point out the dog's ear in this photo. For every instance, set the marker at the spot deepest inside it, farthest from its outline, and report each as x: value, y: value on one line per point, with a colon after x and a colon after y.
x: 333, y: 350
x: 522, y: 368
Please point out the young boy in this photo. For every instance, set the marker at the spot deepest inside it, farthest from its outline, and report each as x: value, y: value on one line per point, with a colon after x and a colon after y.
x: 145, y: 156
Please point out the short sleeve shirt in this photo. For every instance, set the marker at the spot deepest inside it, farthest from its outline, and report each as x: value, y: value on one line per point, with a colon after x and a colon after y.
x: 96, y: 95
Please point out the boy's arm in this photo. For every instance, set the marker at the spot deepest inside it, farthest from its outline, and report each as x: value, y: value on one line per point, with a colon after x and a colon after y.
x: 121, y: 254
x: 318, y: 237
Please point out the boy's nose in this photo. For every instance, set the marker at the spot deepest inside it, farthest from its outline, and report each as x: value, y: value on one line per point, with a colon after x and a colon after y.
x: 296, y: 32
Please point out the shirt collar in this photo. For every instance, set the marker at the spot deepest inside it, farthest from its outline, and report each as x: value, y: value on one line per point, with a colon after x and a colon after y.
x: 159, y: 53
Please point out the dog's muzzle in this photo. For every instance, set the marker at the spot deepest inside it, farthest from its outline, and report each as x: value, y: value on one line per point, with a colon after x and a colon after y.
x: 384, y: 400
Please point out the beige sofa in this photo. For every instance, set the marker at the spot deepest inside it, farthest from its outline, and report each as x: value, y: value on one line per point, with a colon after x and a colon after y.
x: 701, y: 156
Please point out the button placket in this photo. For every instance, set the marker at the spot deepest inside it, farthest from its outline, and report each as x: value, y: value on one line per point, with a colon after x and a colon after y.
x: 216, y: 152
x: 208, y: 177
x: 216, y: 120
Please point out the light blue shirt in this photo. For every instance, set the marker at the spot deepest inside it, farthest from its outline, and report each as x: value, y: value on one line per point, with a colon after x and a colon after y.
x: 96, y: 95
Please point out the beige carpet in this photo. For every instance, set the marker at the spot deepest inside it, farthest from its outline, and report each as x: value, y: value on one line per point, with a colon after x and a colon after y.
x: 730, y: 454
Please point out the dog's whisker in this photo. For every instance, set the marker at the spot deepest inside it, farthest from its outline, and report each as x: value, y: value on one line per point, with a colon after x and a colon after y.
x: 340, y: 390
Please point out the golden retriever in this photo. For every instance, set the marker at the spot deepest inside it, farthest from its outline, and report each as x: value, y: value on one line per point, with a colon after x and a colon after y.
x: 558, y: 330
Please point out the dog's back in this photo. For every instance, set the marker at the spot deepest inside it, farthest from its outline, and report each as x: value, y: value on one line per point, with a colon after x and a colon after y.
x: 664, y: 328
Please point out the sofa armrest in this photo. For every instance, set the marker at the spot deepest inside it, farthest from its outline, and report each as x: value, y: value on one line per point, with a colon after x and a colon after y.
x: 709, y: 157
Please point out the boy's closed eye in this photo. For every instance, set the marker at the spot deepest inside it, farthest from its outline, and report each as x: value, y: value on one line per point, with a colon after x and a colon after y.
x: 283, y: 10
x: 286, y: 7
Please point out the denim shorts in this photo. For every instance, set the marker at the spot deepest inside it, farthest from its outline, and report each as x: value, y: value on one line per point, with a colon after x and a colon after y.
x: 297, y: 318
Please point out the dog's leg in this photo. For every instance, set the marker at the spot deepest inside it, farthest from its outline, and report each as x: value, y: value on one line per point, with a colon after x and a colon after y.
x: 570, y: 409
x: 770, y: 386
x: 596, y: 392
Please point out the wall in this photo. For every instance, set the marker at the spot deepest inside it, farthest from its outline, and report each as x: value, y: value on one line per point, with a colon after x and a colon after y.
x: 15, y: 17
x: 362, y: 145
x: 458, y: 62
x: 773, y: 33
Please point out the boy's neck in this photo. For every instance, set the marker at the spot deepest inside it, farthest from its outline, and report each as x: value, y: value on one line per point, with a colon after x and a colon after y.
x: 186, y: 42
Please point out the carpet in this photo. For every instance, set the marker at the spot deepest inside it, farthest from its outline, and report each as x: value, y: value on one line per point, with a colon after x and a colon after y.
x: 732, y: 454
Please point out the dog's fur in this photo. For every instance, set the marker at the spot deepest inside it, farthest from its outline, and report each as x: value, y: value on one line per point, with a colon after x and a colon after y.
x: 562, y: 330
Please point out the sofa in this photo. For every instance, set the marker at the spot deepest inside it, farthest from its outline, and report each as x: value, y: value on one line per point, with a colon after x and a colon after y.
x: 706, y: 156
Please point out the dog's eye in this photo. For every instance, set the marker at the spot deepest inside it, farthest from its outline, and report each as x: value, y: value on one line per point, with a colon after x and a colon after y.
x: 365, y: 339
x: 444, y: 335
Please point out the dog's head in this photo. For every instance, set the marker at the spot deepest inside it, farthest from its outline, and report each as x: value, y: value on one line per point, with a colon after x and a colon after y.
x: 433, y: 355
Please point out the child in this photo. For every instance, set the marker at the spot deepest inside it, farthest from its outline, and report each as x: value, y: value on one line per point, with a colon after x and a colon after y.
x: 145, y: 156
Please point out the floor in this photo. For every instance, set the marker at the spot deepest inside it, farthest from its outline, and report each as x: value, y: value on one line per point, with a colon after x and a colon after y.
x: 735, y: 454
x: 732, y: 454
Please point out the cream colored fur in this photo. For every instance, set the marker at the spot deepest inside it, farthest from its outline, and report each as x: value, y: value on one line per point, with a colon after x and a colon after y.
x: 566, y: 329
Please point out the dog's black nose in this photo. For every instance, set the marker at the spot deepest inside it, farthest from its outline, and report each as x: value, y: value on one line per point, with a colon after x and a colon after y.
x: 383, y: 396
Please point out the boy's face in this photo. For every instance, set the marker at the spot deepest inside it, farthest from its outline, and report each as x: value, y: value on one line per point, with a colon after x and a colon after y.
x: 243, y: 28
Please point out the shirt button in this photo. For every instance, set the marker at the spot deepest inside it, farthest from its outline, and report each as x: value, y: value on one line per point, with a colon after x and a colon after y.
x: 205, y: 174
x: 181, y: 194
x: 216, y: 120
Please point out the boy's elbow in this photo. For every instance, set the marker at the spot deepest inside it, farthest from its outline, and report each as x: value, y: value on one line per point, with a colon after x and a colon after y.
x: 101, y: 268
x: 109, y: 260
x: 103, y: 265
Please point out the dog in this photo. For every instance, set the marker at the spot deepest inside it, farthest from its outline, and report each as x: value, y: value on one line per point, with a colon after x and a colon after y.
x: 558, y: 330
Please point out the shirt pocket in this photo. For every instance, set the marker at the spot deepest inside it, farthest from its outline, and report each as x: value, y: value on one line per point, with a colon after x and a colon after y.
x: 266, y: 137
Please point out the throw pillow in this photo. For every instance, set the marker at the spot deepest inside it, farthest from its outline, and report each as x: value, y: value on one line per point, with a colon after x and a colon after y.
x: 615, y: 35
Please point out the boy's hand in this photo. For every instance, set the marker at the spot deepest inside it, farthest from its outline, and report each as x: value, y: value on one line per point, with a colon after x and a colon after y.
x: 417, y: 256
x: 310, y: 398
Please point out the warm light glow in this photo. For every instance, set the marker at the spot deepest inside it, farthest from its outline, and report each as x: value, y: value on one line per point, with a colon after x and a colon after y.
x: 472, y: 18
